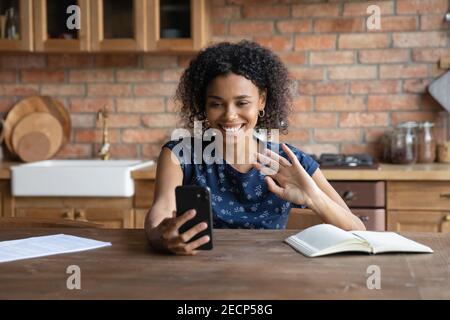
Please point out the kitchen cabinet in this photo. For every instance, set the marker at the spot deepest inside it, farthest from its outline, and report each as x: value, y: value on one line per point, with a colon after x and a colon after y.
x: 6, y: 201
x: 111, y: 26
x: 24, y: 11
x: 143, y: 200
x: 418, y: 206
x: 55, y: 28
x: 109, y: 212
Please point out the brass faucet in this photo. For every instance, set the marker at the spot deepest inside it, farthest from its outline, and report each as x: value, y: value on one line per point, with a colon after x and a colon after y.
x: 102, y: 115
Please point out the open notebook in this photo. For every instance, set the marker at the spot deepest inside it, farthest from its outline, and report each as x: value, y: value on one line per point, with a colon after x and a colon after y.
x: 326, y: 239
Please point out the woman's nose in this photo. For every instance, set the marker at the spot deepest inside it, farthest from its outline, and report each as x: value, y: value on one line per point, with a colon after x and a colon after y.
x: 230, y: 113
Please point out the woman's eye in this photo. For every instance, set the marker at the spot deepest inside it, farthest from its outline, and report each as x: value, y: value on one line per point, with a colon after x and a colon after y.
x: 214, y: 105
x: 242, y: 103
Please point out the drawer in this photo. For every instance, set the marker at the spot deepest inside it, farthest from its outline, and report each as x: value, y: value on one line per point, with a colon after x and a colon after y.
x: 361, y: 194
x: 418, y: 221
x: 414, y: 195
x: 373, y: 219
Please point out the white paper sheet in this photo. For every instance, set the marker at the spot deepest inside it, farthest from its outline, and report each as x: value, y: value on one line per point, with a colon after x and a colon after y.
x: 46, y: 245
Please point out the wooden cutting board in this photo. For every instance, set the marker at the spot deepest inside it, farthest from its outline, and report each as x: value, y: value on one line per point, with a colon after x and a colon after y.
x: 38, y: 136
x: 36, y: 104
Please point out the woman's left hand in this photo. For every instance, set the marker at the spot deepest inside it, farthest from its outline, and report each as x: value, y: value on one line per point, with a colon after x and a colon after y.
x: 293, y: 183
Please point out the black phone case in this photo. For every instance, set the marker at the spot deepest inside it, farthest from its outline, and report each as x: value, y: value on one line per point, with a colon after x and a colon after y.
x: 198, y: 198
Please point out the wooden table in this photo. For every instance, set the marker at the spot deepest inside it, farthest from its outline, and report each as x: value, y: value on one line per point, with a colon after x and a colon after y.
x: 245, y: 264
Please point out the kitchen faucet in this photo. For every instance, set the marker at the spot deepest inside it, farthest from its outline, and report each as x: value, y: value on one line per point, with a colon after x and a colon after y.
x: 102, y: 115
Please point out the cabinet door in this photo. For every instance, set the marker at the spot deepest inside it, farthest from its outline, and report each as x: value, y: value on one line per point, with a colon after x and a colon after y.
x: 61, y: 25
x: 48, y: 213
x: 24, y: 39
x: 111, y: 218
x: 421, y: 221
x: 119, y: 25
x: 178, y: 25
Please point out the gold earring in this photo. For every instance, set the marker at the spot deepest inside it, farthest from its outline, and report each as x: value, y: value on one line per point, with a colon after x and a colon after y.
x: 261, y: 115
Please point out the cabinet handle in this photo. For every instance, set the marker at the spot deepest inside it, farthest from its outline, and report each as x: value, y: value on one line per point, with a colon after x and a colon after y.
x: 68, y: 215
x: 445, y: 195
x: 349, y: 196
x: 444, y: 221
x: 80, y: 215
x: 446, y: 217
x: 364, y: 218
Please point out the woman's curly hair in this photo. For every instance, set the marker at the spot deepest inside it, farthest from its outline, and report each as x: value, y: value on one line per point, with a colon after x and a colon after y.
x: 245, y: 58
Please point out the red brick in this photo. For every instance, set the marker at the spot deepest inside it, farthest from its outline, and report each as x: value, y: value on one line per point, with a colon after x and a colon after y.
x: 374, y: 135
x: 429, y: 55
x: 360, y: 8
x: 398, y: 24
x: 428, y: 103
x: 374, y: 86
x: 370, y: 148
x: 147, y: 105
x: 384, y: 56
x: 261, y: 12
x: 144, y: 135
x: 116, y: 90
x: 138, y: 75
x: 7, y: 76
x: 393, y: 102
x: 151, y: 151
x: 247, y: 2
x: 419, y: 116
x: 364, y: 119
x: 18, y: 89
x: 70, y: 61
x: 158, y: 62
x: 6, y: 104
x: 219, y: 28
x: 420, y: 39
x: 95, y: 135
x: 78, y: 76
x: 318, y: 149
x: 42, y: 76
x: 307, y: 73
x: 124, y: 151
x: 82, y: 120
x: 225, y: 13
x: 294, y: 26
x: 421, y: 6
x: 403, y: 71
x: 302, y: 104
x: 416, y: 85
x: 315, y: 42
x: 293, y: 58
x: 352, y: 72
x: 339, y: 25
x: 116, y: 61
x: 337, y: 135
x: 332, y: 58
x: 75, y: 151
x: 163, y: 120
x: 363, y: 41
x: 184, y: 60
x: 63, y: 90
x: 317, y: 88
x: 433, y: 22
x: 316, y: 10
x: 172, y: 75
x: 276, y: 43
x: 296, y: 135
x: 155, y: 89
x: 90, y: 104
x: 251, y: 28
x: 340, y: 103
x: 124, y: 120
x: 22, y: 61
x: 313, y: 120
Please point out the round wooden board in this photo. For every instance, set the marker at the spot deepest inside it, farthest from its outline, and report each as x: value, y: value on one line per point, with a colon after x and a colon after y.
x: 34, y: 146
x: 38, y: 122
x: 36, y: 104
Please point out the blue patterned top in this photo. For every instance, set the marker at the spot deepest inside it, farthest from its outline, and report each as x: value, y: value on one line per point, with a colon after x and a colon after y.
x: 239, y: 200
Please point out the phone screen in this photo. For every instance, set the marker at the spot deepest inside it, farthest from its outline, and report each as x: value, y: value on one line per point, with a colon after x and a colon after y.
x: 198, y: 198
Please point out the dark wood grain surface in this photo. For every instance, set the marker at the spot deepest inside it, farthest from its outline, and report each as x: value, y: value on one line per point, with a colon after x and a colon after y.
x: 245, y: 264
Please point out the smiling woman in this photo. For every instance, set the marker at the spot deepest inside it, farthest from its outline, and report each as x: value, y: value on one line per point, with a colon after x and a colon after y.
x: 233, y: 90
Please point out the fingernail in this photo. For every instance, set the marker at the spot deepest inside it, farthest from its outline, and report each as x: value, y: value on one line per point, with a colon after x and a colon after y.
x: 207, y: 239
x: 204, y: 225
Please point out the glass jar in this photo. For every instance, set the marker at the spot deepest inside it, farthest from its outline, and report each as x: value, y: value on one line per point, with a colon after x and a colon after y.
x: 427, y: 143
x: 404, y: 143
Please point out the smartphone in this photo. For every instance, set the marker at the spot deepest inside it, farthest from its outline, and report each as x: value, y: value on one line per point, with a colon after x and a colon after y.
x: 198, y: 198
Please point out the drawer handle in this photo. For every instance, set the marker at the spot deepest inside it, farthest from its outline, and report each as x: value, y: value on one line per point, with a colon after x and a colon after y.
x: 80, y: 216
x: 349, y: 196
x: 446, y: 217
x: 364, y: 218
x: 68, y: 215
x: 445, y: 195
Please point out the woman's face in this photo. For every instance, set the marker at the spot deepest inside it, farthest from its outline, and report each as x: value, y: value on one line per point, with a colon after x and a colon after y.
x: 232, y: 105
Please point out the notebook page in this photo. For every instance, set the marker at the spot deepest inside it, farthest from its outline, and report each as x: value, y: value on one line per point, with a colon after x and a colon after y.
x: 45, y: 246
x: 391, y: 241
x: 323, y: 236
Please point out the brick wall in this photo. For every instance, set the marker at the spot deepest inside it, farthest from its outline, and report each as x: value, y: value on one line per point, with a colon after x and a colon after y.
x: 351, y: 84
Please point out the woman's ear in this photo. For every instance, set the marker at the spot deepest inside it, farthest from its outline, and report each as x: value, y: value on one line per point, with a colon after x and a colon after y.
x: 262, y: 99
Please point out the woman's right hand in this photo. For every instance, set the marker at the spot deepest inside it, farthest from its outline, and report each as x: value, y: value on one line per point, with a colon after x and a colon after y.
x: 177, y: 243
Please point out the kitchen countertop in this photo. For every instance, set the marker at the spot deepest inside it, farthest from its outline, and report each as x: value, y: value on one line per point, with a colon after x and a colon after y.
x: 433, y: 171
x: 245, y: 264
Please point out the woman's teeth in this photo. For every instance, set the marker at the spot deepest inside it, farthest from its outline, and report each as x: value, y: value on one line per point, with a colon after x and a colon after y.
x: 232, y: 129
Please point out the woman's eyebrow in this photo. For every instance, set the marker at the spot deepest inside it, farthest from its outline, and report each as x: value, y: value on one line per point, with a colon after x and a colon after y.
x: 237, y: 97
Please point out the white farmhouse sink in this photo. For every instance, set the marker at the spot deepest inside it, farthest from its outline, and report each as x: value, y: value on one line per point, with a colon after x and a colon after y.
x: 75, y: 178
